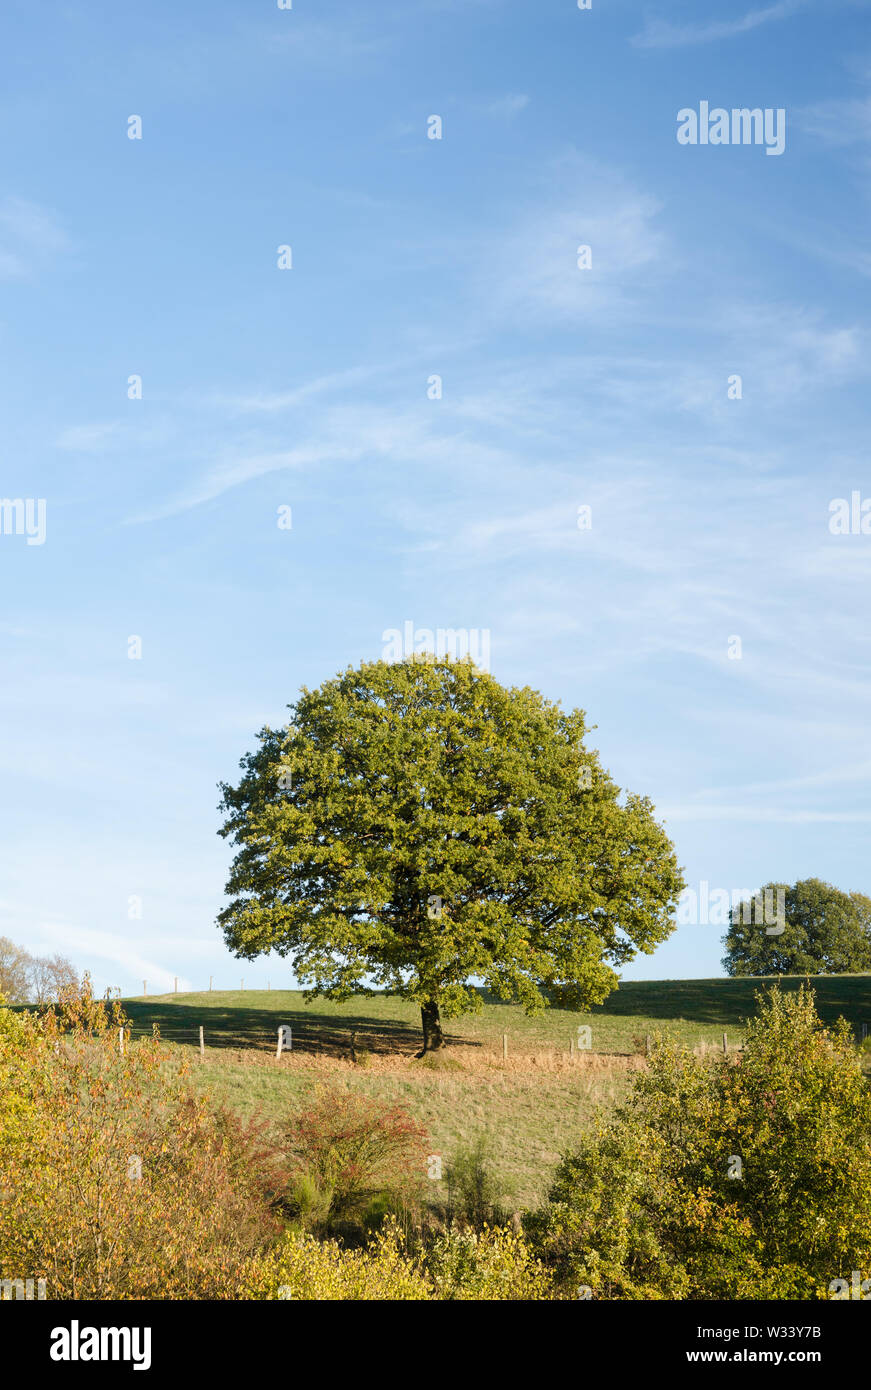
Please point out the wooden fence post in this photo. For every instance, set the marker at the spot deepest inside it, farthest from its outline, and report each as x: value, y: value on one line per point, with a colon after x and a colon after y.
x: 202, y: 1045
x: 144, y: 989
x: 504, y: 1046
x: 725, y: 1045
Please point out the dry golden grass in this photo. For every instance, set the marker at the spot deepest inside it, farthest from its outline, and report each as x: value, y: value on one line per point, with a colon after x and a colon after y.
x: 530, y: 1107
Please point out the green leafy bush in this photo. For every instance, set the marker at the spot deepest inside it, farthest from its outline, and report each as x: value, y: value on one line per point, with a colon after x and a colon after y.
x: 458, y: 1265
x: 486, y: 1266
x: 749, y: 1177
x: 475, y: 1196
x: 302, y: 1267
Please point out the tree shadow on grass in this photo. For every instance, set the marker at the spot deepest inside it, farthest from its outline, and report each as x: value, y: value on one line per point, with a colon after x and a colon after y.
x: 324, y: 1035
x: 734, y: 1000
x: 726, y: 1001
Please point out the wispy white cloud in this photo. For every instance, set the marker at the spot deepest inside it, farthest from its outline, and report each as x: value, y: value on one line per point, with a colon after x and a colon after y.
x: 844, y: 121
x: 86, y: 438
x: 340, y: 435
x: 856, y: 772
x: 534, y: 266
x: 769, y: 815
x: 507, y: 106
x: 784, y: 350
x: 227, y: 474
x: 659, y: 33
x: 318, y: 44
x: 271, y: 402
x: 113, y: 948
x: 30, y: 238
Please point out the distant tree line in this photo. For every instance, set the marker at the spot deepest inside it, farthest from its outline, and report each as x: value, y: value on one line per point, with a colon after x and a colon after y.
x: 28, y: 979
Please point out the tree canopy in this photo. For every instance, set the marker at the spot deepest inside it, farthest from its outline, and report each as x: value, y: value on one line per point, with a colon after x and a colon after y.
x: 419, y: 827
x: 824, y: 932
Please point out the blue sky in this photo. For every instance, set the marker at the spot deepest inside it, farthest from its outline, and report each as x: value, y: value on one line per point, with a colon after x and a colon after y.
x: 307, y: 387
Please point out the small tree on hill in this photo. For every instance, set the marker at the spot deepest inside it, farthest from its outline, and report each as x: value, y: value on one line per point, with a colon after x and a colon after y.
x: 418, y: 827
x: 825, y: 932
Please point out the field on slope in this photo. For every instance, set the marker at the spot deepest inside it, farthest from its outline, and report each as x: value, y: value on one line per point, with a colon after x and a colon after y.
x: 530, y: 1106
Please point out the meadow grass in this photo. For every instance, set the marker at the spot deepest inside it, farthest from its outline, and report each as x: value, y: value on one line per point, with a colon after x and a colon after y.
x: 530, y: 1107
x: 692, y: 1011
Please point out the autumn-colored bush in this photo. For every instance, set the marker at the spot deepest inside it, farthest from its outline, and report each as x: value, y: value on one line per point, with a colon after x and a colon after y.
x: 745, y: 1178
x: 116, y: 1180
x: 350, y: 1162
x: 486, y: 1266
x: 457, y: 1265
x: 302, y: 1267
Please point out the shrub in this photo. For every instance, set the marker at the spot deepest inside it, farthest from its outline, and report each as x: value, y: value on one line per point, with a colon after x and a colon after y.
x: 475, y: 1196
x: 606, y: 1224
x: 459, y: 1265
x: 486, y: 1266
x: 117, y: 1181
x: 301, y: 1267
x: 746, y: 1178
x: 350, y: 1160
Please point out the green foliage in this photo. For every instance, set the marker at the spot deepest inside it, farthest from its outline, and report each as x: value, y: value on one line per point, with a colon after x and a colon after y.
x: 418, y: 826
x: 475, y: 1197
x: 652, y: 1206
x: 12, y: 1024
x: 825, y: 932
x: 301, y: 1267
x: 739, y: 1178
x: 486, y: 1266
x: 304, y: 1268
x: 458, y: 1265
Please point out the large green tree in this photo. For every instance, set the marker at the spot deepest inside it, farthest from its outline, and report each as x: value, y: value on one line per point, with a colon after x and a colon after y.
x: 822, y: 931
x: 419, y: 827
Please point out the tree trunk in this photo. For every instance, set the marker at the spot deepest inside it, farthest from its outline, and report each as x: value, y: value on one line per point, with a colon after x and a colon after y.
x: 432, y: 1028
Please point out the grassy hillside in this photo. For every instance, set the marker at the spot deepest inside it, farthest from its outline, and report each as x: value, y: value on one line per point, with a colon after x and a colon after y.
x: 692, y: 1010
x: 530, y: 1107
